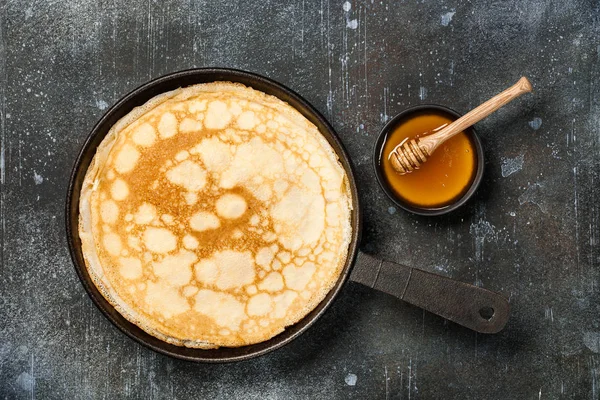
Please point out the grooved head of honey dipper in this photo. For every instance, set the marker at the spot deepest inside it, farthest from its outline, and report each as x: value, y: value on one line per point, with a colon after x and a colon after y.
x: 404, y: 158
x: 396, y: 163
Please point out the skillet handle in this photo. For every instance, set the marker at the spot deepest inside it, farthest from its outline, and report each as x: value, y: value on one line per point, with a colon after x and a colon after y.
x: 476, y: 308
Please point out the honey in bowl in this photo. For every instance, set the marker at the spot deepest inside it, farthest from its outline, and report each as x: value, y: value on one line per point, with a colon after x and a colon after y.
x: 445, y: 177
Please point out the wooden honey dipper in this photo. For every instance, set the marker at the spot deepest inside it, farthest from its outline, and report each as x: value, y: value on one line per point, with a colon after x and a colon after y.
x: 411, y: 153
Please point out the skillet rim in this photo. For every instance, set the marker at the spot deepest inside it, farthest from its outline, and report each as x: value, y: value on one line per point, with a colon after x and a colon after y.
x: 139, y: 96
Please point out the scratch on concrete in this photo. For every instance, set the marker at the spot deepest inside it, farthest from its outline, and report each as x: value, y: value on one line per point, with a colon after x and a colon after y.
x: 482, y: 231
x: 2, y: 140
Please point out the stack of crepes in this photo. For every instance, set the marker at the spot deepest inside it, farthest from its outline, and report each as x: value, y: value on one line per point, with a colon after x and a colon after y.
x: 215, y: 215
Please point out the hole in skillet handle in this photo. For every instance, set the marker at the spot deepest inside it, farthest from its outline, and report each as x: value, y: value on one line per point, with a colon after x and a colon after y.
x: 487, y: 313
x: 138, y: 97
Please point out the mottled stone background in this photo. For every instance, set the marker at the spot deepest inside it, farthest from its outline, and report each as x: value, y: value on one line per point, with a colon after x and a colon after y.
x: 531, y: 233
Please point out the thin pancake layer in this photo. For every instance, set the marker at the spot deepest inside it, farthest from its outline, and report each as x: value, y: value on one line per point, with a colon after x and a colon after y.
x: 215, y: 215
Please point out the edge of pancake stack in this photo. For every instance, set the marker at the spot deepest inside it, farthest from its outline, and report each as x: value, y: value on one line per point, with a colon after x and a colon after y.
x: 215, y: 215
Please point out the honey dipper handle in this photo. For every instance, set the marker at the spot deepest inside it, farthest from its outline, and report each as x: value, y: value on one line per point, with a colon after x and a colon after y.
x: 476, y: 308
x: 431, y: 142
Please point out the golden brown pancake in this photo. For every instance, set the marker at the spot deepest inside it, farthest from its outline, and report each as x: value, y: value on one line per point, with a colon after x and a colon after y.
x: 215, y: 215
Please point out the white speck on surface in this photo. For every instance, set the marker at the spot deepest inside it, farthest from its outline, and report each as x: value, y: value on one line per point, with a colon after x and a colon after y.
x: 350, y: 379
x: 447, y: 17
x: 535, y: 123
x: 441, y: 268
x: 363, y: 159
x: 512, y: 165
x: 353, y: 24
x: 38, y: 179
x: 26, y: 381
x: 512, y: 213
x: 533, y: 194
x: 592, y: 341
x: 101, y: 104
x: 347, y: 6
x: 484, y: 229
x: 422, y: 93
x: 392, y: 210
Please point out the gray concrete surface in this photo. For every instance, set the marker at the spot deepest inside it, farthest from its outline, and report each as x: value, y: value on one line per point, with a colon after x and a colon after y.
x: 531, y: 233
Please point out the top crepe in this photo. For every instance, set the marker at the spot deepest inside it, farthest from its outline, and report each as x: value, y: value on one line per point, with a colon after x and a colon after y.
x: 215, y: 215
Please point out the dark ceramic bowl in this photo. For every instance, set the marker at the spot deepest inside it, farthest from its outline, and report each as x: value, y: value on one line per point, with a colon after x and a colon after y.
x: 379, y: 144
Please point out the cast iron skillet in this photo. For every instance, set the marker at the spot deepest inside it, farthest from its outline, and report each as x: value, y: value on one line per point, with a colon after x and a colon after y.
x: 473, y: 307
